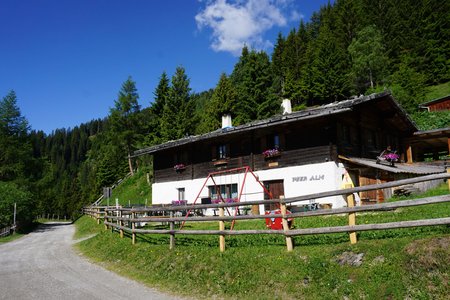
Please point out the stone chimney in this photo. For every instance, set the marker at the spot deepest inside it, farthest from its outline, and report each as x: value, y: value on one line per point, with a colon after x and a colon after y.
x: 226, y: 121
x: 286, y: 105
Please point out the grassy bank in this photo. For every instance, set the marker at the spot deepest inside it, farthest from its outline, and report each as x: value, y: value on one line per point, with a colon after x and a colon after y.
x: 11, y: 237
x: 134, y: 190
x: 391, y: 264
x: 437, y: 91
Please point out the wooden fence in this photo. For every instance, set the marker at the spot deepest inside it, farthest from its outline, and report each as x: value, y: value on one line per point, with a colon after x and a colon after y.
x: 7, y: 230
x: 125, y: 219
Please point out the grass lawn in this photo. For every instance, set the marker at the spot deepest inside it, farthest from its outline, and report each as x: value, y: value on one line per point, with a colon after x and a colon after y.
x: 11, y: 237
x: 390, y: 264
x: 133, y: 190
x: 437, y: 91
x: 21, y: 232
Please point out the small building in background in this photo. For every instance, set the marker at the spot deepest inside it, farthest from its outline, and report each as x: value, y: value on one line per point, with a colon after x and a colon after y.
x: 437, y: 104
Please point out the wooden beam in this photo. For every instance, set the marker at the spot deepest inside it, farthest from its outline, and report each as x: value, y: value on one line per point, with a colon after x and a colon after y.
x: 448, y: 180
x: 121, y: 224
x: 351, y: 216
x: 289, y: 244
x: 296, y: 199
x: 303, y: 231
x: 133, y: 231
x: 448, y: 144
x: 172, y: 235
x: 409, y: 154
x: 222, y: 228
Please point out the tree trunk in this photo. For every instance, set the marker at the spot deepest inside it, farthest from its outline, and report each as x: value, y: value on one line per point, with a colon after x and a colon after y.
x: 130, y: 164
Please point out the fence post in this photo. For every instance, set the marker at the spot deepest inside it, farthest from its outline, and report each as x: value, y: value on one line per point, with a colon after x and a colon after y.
x: 221, y: 227
x: 289, y: 244
x: 15, y: 213
x: 120, y: 224
x: 116, y: 213
x: 105, y: 220
x: 133, y: 226
x: 448, y: 169
x: 351, y: 216
x: 97, y: 214
x: 172, y: 236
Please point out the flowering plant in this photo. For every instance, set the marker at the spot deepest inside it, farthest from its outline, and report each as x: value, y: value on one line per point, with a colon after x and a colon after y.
x: 179, y: 202
x: 392, y: 157
x: 271, y: 152
x: 179, y: 167
x: 227, y: 200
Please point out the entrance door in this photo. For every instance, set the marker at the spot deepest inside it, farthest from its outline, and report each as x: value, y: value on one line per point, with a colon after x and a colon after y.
x: 276, y: 188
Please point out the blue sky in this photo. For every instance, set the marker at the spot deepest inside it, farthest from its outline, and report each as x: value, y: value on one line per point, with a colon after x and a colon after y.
x: 67, y: 59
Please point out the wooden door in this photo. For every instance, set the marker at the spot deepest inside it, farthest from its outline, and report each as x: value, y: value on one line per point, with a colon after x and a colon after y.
x: 371, y: 197
x: 276, y: 188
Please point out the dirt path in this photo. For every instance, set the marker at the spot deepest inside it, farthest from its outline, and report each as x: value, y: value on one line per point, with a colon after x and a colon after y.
x: 42, y: 265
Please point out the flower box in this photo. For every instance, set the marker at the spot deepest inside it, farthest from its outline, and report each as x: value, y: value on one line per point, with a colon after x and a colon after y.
x: 179, y: 202
x: 179, y: 167
x: 220, y: 162
x: 271, y: 153
x: 227, y: 200
x: 390, y: 157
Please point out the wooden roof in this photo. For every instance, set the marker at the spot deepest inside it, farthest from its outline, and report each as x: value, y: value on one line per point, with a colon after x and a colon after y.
x: 383, y: 102
x: 431, y: 140
x: 416, y: 168
x: 434, y: 101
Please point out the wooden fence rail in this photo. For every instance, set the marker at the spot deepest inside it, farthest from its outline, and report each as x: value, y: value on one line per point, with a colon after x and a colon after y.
x: 7, y: 230
x: 117, y: 217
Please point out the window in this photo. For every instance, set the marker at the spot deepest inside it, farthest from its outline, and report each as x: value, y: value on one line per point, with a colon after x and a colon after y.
x: 222, y: 151
x: 273, y: 141
x: 227, y: 191
x: 181, y: 194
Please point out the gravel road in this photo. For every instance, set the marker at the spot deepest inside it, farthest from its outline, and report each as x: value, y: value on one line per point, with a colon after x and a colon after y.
x: 43, y: 265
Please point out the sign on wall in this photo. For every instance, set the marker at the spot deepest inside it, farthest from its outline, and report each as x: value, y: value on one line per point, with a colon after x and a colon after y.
x: 308, y: 178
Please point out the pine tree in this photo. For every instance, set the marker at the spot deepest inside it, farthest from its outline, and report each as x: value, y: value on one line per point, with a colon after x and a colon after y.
x: 124, y: 119
x: 161, y: 93
x: 278, y: 66
x: 153, y: 117
x: 15, y: 148
x: 252, y: 80
x: 328, y: 81
x: 176, y: 121
x: 223, y: 101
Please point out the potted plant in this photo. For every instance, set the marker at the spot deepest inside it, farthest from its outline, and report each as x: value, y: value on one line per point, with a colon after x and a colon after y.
x: 390, y: 157
x: 179, y: 202
x: 270, y: 153
x: 179, y: 168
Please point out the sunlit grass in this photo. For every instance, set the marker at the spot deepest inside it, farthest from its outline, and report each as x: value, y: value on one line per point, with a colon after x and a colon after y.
x: 437, y: 91
x: 397, y: 264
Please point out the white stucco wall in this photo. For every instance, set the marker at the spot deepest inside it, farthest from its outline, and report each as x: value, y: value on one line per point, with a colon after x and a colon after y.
x: 297, y: 181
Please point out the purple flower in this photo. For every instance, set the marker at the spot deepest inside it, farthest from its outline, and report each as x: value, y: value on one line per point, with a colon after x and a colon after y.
x: 230, y: 200
x: 179, y: 202
x: 391, y: 157
x: 271, y: 152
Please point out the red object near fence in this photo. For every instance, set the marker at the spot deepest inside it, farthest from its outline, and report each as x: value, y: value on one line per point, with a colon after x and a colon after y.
x: 277, y: 223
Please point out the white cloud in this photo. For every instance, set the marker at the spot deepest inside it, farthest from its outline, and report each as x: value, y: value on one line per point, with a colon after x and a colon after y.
x: 239, y: 22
